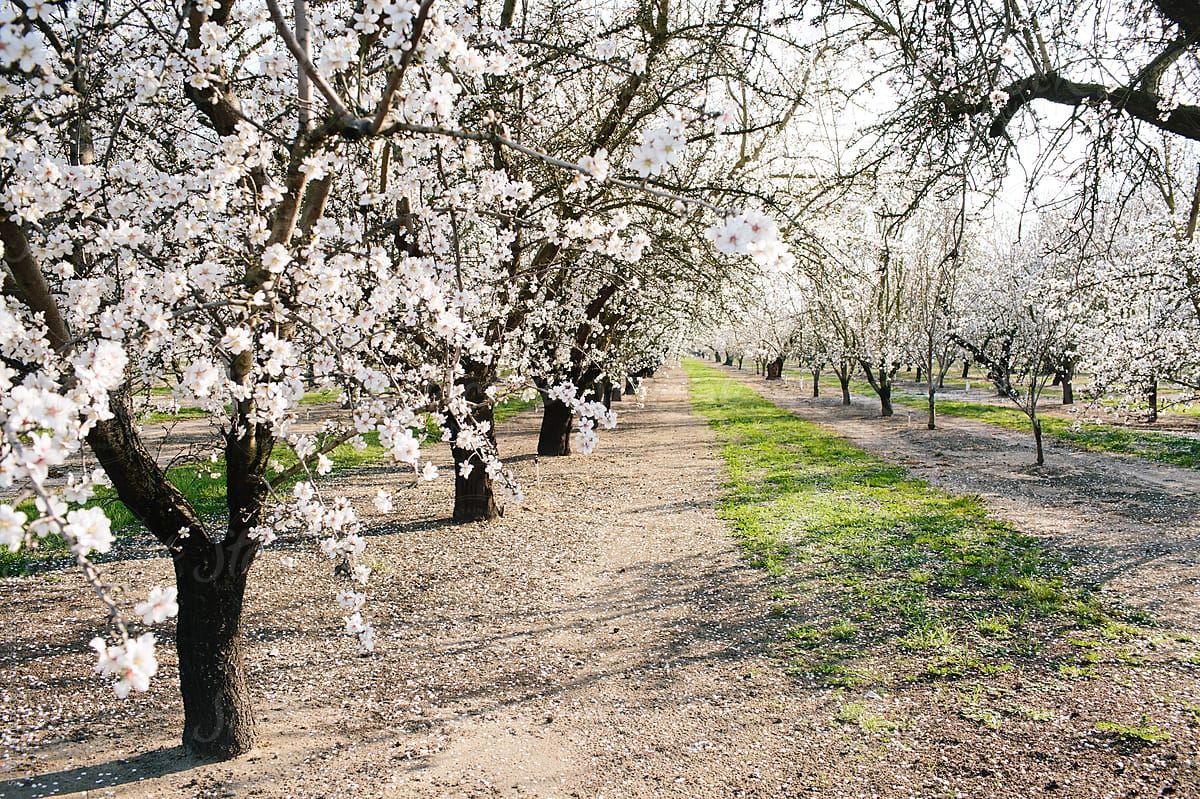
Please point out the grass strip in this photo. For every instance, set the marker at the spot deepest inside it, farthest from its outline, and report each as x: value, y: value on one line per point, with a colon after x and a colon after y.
x: 1093, y: 436
x: 1175, y: 450
x: 885, y: 578
x: 203, y: 483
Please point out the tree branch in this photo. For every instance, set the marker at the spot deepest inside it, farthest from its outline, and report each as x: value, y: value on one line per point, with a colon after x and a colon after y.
x: 1140, y: 104
x: 305, y: 63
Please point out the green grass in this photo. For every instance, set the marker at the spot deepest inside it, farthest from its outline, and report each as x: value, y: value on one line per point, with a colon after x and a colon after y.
x: 1093, y: 436
x: 1135, y: 735
x: 857, y: 713
x: 1160, y: 447
x: 203, y: 483
x: 504, y: 410
x: 882, y: 562
x: 508, y: 408
x: 324, y: 397
x: 904, y: 382
x: 166, y: 417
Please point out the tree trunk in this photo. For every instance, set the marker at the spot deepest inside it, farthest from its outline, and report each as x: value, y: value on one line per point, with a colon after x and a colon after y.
x: 474, y: 498
x: 604, y: 390
x: 932, y: 425
x: 210, y: 576
x: 554, y: 437
x: 729, y: 359
x: 615, y: 392
x: 1152, y: 400
x: 885, y: 399
x: 920, y: 373
x: 740, y: 363
x: 845, y: 381
x: 775, y: 369
x: 966, y: 372
x: 816, y: 373
x: 717, y: 356
x: 630, y: 388
x: 1067, y: 375
x: 1037, y: 440
x: 474, y: 495
x: 881, y: 384
x: 218, y: 720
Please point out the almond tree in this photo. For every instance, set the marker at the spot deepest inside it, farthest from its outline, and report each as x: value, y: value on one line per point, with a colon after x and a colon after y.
x: 1144, y: 329
x: 1024, y: 307
x: 966, y: 81
x: 236, y: 193
x: 934, y: 254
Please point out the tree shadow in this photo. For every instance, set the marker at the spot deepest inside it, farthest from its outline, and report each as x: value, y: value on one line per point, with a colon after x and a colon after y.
x: 99, y: 776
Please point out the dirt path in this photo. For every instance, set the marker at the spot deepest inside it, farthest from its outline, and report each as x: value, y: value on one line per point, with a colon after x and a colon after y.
x: 603, y: 636
x: 1133, y: 526
x: 603, y: 640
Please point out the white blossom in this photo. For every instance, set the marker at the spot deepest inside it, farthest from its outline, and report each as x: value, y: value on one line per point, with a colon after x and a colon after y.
x: 159, y: 606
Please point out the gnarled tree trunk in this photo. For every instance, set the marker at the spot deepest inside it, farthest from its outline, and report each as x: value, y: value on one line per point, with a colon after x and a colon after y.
x: 1067, y: 378
x: 604, y: 391
x: 881, y: 382
x: 210, y: 575
x: 843, y: 376
x: 885, y: 400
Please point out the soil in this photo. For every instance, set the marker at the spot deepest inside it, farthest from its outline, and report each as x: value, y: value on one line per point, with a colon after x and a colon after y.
x: 605, y: 638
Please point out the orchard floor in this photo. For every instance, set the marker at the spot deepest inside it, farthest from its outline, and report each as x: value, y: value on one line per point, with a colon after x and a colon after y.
x: 1131, y: 525
x: 604, y: 639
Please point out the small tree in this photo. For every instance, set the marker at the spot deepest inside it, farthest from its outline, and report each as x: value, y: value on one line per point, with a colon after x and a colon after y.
x: 934, y: 258
x: 1023, y: 310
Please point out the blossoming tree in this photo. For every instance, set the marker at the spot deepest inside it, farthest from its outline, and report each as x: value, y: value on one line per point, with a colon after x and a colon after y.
x: 255, y: 199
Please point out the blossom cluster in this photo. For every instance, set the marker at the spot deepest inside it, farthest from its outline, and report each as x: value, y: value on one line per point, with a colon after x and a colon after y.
x: 132, y: 663
x: 660, y: 147
x: 589, y: 414
x: 754, y: 234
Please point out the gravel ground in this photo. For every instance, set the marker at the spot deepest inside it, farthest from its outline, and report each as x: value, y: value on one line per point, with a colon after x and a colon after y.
x: 604, y: 639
